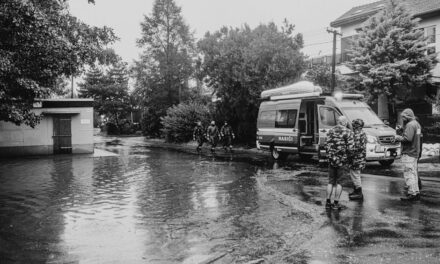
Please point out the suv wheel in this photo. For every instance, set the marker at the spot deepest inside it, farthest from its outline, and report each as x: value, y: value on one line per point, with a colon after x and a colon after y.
x: 386, y: 163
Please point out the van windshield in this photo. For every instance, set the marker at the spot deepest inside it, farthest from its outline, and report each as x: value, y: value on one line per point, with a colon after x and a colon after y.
x: 366, y: 114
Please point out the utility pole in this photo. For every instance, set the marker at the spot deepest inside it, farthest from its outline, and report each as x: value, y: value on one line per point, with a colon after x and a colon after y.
x: 335, y: 33
x: 71, y: 88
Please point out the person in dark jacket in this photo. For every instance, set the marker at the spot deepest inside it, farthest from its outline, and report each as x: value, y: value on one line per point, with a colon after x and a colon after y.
x: 199, y: 135
x: 410, y: 140
x: 227, y: 136
x: 358, y: 158
x: 338, y: 145
x: 213, y: 135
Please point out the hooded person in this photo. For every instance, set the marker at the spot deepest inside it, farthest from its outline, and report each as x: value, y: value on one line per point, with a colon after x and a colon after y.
x: 411, y: 141
x: 357, y: 158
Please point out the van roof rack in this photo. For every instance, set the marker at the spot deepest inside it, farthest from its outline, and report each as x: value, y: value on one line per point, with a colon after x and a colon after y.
x: 296, y: 90
x: 294, y: 96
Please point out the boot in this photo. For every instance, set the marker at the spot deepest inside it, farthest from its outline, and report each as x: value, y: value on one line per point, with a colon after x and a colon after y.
x: 411, y: 198
x: 356, y: 194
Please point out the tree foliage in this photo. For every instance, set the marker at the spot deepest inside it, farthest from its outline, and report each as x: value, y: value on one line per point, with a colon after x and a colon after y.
x: 181, y: 119
x: 40, y: 41
x: 163, y: 70
x: 109, y: 91
x: 390, y: 53
x: 321, y: 74
x: 239, y: 63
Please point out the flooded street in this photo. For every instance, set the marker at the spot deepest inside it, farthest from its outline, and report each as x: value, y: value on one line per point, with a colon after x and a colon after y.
x: 142, y: 206
x: 151, y: 205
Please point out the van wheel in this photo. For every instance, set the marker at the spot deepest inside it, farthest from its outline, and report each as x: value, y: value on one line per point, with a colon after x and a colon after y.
x: 386, y: 163
x: 305, y: 156
x: 276, y: 155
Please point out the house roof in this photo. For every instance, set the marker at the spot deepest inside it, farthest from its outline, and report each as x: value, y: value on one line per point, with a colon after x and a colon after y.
x: 360, y: 13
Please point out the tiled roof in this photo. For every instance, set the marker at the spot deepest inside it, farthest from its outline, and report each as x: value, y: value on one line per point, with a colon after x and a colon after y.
x: 359, y: 13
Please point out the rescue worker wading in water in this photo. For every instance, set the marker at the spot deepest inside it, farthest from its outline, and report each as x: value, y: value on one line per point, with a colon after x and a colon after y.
x: 227, y: 136
x: 199, y: 135
x: 213, y: 135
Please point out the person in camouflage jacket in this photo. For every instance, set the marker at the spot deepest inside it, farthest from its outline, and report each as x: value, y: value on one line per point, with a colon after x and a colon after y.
x: 338, y: 145
x: 357, y: 158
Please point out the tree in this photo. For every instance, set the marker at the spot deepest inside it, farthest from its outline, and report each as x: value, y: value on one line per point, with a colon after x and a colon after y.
x: 321, y: 74
x: 40, y: 41
x: 391, y: 57
x: 163, y: 70
x: 109, y: 91
x: 239, y: 63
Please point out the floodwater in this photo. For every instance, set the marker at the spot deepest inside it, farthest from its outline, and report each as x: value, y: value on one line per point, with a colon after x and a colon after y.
x: 143, y: 206
x: 150, y: 205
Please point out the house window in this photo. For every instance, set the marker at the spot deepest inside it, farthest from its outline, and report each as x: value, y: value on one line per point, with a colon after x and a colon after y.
x: 430, y: 34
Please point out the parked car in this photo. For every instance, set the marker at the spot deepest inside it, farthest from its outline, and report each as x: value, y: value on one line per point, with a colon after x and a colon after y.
x: 295, y: 119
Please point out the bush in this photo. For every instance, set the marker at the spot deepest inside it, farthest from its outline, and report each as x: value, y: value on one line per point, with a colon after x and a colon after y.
x: 180, y: 120
x: 112, y: 128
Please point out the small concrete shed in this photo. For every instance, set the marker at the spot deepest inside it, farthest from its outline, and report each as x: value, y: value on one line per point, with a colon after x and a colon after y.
x: 66, y: 127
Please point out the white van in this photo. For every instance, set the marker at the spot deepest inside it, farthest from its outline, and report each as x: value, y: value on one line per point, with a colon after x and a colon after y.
x: 295, y: 119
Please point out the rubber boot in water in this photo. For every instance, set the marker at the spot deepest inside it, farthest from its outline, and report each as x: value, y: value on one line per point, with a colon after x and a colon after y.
x: 356, y: 195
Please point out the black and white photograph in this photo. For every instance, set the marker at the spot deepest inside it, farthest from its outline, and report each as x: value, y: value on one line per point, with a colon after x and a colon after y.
x: 219, y: 131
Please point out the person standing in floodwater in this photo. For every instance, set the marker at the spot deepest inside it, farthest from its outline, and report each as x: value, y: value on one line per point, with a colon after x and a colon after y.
x: 339, y: 142
x: 357, y: 158
x: 199, y: 135
x: 213, y: 135
x: 227, y: 136
x: 410, y: 140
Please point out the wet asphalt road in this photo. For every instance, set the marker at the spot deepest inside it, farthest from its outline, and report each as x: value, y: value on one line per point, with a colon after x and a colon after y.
x: 150, y: 205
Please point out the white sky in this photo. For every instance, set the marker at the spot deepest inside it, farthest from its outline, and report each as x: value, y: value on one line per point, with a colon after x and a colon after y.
x: 311, y: 18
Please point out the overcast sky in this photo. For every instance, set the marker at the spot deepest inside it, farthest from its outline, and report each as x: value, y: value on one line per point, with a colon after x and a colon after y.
x: 311, y: 18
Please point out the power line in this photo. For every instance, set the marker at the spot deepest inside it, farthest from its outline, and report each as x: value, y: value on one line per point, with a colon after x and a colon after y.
x: 318, y: 43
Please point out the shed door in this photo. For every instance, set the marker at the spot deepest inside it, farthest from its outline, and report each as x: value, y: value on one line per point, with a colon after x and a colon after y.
x: 62, y: 134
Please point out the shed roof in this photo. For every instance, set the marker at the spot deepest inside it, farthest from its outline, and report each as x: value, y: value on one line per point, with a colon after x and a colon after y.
x: 63, y: 103
x: 360, y: 13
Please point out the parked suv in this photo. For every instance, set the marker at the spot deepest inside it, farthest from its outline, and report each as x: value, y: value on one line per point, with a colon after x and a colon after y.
x: 295, y: 119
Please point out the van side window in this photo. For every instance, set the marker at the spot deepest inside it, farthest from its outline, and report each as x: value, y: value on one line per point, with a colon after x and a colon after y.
x: 267, y: 119
x: 328, y: 116
x: 286, y: 118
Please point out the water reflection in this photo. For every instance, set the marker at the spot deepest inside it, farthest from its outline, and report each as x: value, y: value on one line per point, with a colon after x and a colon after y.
x: 143, y: 206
